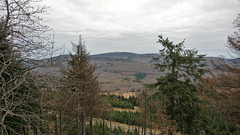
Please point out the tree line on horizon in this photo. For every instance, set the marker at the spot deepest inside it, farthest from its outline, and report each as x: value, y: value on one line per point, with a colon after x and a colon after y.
x: 182, y: 101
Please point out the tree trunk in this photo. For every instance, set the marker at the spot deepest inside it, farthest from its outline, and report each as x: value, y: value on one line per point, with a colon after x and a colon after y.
x: 110, y: 121
x: 35, y: 131
x: 24, y: 130
x: 91, y: 132
x: 110, y: 126
x: 129, y: 119
x: 103, y: 126
x: 78, y: 116
x: 1, y: 118
x: 145, y: 122
x: 150, y: 120
x: 138, y: 128
x: 1, y: 130
x: 27, y: 130
x: 60, y: 123
x: 41, y: 117
x: 83, y: 123
x: 56, y: 126
x: 145, y: 118
x: 78, y: 127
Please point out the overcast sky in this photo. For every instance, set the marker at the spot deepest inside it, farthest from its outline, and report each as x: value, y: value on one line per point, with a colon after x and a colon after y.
x: 134, y: 25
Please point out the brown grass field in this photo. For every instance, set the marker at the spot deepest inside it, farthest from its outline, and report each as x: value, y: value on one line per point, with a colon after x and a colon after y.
x: 131, y: 110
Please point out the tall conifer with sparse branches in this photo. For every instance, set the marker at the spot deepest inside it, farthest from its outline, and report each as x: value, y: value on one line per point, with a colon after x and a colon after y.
x: 81, y: 86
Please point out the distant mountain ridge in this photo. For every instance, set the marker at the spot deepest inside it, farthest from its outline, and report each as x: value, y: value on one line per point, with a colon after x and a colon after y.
x: 123, y: 71
x: 115, y: 54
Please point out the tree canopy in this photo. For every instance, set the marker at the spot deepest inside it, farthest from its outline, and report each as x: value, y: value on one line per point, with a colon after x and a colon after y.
x: 176, y: 89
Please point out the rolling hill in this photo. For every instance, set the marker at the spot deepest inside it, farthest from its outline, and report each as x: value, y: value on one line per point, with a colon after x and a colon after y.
x: 118, y: 71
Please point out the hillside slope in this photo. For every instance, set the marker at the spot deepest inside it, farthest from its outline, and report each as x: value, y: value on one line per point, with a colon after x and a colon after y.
x: 119, y: 71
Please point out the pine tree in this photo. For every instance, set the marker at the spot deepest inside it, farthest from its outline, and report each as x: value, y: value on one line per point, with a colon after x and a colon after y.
x: 176, y: 89
x: 82, y: 86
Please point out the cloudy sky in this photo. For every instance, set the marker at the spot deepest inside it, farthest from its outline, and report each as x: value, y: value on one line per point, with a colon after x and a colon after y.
x: 134, y: 25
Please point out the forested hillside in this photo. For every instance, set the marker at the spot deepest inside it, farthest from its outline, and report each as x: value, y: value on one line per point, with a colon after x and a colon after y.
x: 122, y: 71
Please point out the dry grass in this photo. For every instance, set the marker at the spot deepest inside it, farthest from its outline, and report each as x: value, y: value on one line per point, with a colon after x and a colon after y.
x: 124, y: 94
x: 122, y: 110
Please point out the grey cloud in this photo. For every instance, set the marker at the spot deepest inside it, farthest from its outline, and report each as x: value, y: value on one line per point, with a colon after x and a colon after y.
x: 134, y: 25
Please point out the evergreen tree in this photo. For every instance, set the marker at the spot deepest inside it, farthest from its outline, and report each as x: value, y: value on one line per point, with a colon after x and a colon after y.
x: 81, y: 86
x: 177, y: 89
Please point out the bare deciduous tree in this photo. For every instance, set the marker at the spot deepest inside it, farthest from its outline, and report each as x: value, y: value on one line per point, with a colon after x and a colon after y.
x: 21, y: 19
x: 22, y: 37
x: 224, y: 82
x: 18, y: 91
x: 234, y: 39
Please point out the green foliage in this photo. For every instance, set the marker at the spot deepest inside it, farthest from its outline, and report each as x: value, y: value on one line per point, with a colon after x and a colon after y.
x: 125, y: 117
x: 127, y: 79
x: 221, y: 125
x: 179, y: 62
x: 53, y: 117
x: 121, y: 104
x: 175, y: 89
x: 121, y: 101
x: 118, y: 131
x: 140, y: 76
x: 98, y: 129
